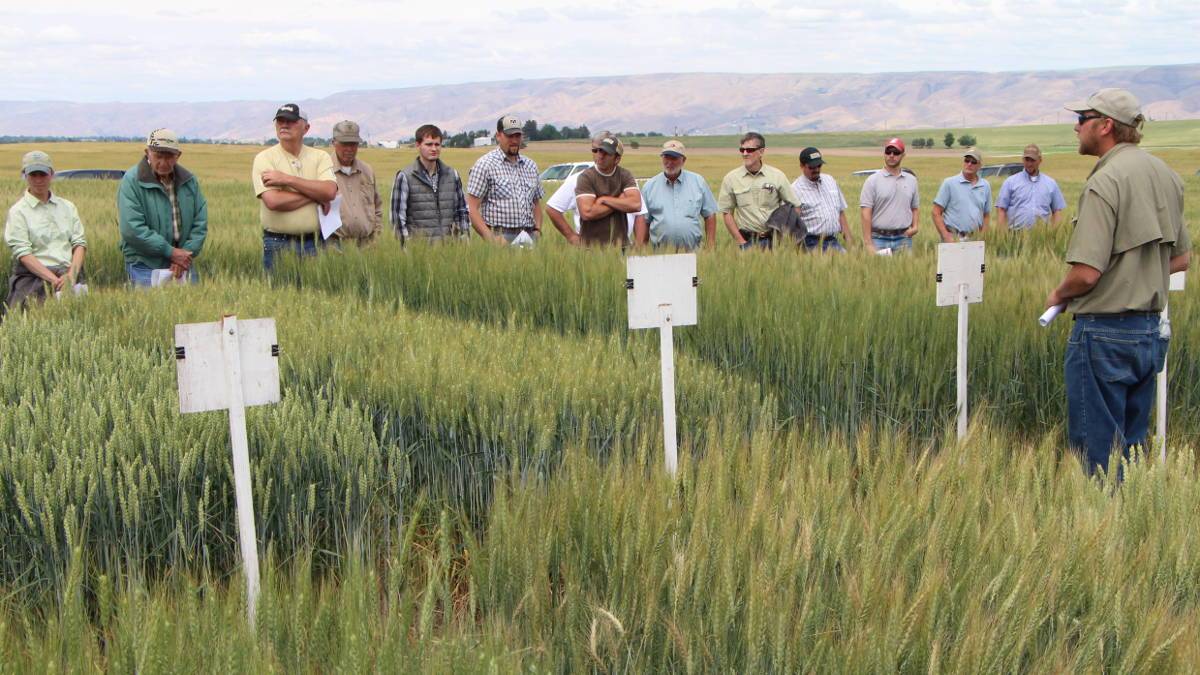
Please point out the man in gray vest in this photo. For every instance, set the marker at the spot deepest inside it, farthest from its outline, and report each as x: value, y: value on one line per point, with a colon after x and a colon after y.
x: 427, y: 198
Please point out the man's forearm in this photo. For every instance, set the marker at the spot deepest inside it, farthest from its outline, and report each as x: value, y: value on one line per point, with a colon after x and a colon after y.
x: 591, y: 208
x: 865, y: 215
x: 731, y: 225
x: 626, y: 203
x: 283, y: 200
x: 1080, y: 280
x: 710, y: 230
x: 317, y: 190
x: 1001, y: 217
x: 34, y: 265
x: 986, y: 220
x: 476, y: 216
x: 537, y: 215
x: 939, y: 222
x: 1180, y: 263
x: 560, y: 223
x: 1056, y: 217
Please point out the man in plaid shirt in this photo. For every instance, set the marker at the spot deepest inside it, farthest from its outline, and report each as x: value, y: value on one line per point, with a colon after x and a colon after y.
x: 504, y: 195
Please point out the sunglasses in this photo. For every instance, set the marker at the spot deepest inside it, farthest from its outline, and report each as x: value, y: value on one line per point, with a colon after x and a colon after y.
x: 1083, y: 119
x: 893, y: 151
x: 747, y: 151
x: 970, y: 160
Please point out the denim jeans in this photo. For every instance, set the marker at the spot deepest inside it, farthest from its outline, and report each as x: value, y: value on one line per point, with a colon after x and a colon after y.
x: 896, y: 243
x: 812, y: 241
x: 139, y: 275
x: 1109, y: 371
x: 276, y: 244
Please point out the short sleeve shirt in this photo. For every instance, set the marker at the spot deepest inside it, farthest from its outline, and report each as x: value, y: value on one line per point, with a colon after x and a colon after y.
x: 675, y: 210
x: 563, y: 201
x: 507, y: 190
x: 1130, y: 225
x: 610, y: 229
x: 1028, y: 199
x: 751, y: 197
x: 48, y: 231
x: 891, y: 199
x: 311, y: 164
x: 821, y: 204
x: 964, y: 203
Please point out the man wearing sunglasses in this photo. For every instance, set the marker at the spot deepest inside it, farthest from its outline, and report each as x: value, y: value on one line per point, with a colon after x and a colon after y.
x: 888, y: 202
x: 963, y: 202
x: 605, y: 195
x: 1029, y: 196
x: 1129, y: 237
x: 750, y: 193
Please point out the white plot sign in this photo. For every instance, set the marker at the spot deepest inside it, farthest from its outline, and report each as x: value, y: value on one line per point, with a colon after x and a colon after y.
x: 662, y: 294
x: 230, y: 365
x: 1177, y: 282
x: 960, y: 282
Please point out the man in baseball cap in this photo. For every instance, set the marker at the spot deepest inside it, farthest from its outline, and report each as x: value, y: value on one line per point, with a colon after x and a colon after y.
x: 1129, y: 237
x: 290, y: 112
x: 963, y: 203
x: 677, y: 201
x: 889, y: 203
x: 605, y: 193
x: 163, y: 215
x: 362, y: 209
x: 1030, y: 196
x: 822, y: 206
x: 504, y: 194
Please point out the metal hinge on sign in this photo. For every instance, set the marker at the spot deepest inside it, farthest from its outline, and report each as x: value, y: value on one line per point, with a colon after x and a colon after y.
x: 629, y: 284
x: 274, y: 350
x: 179, y: 353
x: 982, y: 266
x: 939, y: 277
x: 695, y: 281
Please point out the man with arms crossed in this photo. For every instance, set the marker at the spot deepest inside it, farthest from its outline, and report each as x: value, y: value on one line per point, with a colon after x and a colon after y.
x: 606, y: 192
x: 888, y: 203
x: 1029, y: 196
x: 504, y: 194
x: 963, y: 202
x: 563, y: 201
x: 750, y: 193
x: 427, y: 196
x: 822, y: 206
x: 1129, y: 237
x: 362, y: 209
x: 291, y: 181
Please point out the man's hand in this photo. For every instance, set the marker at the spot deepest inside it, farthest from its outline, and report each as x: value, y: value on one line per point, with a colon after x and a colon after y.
x: 910, y: 232
x: 574, y: 239
x: 181, y: 257
x: 59, y: 282
x: 1053, y: 299
x: 276, y: 179
x: 177, y: 272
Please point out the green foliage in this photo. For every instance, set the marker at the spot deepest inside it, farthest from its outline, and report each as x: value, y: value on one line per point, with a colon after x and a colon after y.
x: 966, y: 140
x: 948, y: 139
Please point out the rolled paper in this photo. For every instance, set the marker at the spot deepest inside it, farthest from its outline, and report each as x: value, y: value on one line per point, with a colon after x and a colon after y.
x: 1049, y: 314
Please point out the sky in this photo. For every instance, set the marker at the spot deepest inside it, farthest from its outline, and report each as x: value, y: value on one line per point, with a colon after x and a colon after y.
x: 216, y: 50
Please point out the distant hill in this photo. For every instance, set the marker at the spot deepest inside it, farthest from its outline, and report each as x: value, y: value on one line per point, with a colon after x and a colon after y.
x: 695, y: 103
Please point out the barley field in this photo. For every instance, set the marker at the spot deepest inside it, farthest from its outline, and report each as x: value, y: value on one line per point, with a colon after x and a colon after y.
x: 464, y: 473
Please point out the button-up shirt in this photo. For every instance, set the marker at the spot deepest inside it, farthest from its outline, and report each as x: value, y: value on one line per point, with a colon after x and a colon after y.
x: 49, y: 231
x: 362, y: 209
x: 168, y: 185
x: 751, y: 197
x: 1029, y: 199
x: 507, y: 190
x: 821, y: 204
x: 676, y: 209
x: 964, y: 203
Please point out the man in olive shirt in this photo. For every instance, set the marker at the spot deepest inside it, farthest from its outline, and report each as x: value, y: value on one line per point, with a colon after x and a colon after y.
x: 605, y: 193
x: 362, y: 209
x: 1129, y: 237
x: 291, y: 181
x: 751, y: 192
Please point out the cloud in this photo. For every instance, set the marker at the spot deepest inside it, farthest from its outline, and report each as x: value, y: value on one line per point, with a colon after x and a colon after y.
x: 58, y: 34
x: 301, y: 37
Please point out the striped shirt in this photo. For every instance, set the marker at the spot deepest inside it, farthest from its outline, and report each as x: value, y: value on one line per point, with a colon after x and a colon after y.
x: 168, y: 185
x: 821, y: 204
x: 507, y: 190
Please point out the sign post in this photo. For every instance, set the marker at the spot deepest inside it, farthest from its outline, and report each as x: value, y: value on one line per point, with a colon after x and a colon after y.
x: 229, y: 365
x: 662, y: 294
x: 1177, y: 283
x: 960, y: 282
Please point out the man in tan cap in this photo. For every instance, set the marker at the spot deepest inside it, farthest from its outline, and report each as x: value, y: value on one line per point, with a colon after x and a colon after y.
x: 1129, y: 237
x: 1030, y: 196
x: 963, y: 202
x: 362, y: 209
x: 677, y: 202
x: 45, y: 235
x: 162, y: 213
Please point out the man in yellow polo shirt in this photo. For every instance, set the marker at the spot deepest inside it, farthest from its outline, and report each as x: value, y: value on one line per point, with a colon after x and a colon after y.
x: 292, y: 181
x: 751, y: 192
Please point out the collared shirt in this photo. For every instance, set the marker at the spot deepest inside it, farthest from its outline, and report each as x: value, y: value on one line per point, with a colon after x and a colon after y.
x: 311, y: 164
x: 675, y: 210
x: 48, y: 231
x: 168, y: 185
x: 821, y: 204
x: 362, y: 209
x: 964, y: 202
x: 1130, y: 225
x: 891, y: 199
x: 1029, y: 199
x: 507, y: 190
x: 751, y: 197
x: 462, y: 216
x: 563, y: 200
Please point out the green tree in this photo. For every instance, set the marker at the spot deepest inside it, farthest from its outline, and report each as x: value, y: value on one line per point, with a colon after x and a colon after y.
x: 918, y: 142
x: 531, y: 130
x: 929, y: 142
x: 948, y: 139
x: 966, y: 140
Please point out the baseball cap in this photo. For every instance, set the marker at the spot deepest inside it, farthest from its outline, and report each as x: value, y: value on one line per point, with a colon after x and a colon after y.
x: 36, y: 160
x: 164, y: 140
x: 811, y: 157
x: 1032, y: 151
x: 974, y: 154
x: 897, y: 143
x: 509, y: 124
x: 1118, y: 104
x: 346, y: 132
x: 673, y: 148
x: 612, y: 145
x: 290, y: 112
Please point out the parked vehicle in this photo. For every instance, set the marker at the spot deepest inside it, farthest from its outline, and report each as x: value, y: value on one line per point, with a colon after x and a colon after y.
x: 562, y: 171
x: 868, y: 172
x: 1001, y: 170
x: 90, y: 174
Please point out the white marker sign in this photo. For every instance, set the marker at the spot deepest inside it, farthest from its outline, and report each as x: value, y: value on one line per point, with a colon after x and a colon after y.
x: 1177, y: 282
x: 662, y: 294
x: 960, y: 282
x: 230, y: 365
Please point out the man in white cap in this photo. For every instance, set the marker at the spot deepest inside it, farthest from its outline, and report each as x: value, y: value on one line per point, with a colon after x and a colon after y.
x: 504, y: 194
x: 362, y: 209
x: 963, y: 203
x: 162, y: 212
x: 677, y: 202
x: 45, y: 235
x: 1030, y: 196
x: 1129, y: 237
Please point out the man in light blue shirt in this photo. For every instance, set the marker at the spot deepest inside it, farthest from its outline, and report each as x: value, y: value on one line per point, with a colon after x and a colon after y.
x: 963, y: 202
x: 1029, y: 196
x: 676, y: 202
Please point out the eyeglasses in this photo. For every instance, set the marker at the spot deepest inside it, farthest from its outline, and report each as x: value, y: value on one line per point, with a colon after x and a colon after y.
x: 747, y: 151
x: 893, y: 151
x: 595, y: 150
x: 970, y: 160
x: 1083, y: 119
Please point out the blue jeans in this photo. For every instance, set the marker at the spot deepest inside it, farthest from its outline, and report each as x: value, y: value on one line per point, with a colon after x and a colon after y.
x: 812, y: 241
x: 896, y: 243
x: 277, y: 244
x: 1109, y: 372
x: 139, y: 274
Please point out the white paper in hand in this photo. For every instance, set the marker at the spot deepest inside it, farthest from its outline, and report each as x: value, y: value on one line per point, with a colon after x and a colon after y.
x: 162, y: 278
x: 332, y: 221
x: 523, y: 240
x: 1049, y: 314
x: 883, y: 251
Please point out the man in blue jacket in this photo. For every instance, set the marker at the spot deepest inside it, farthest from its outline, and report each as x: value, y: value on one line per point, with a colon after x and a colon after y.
x: 163, y: 214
